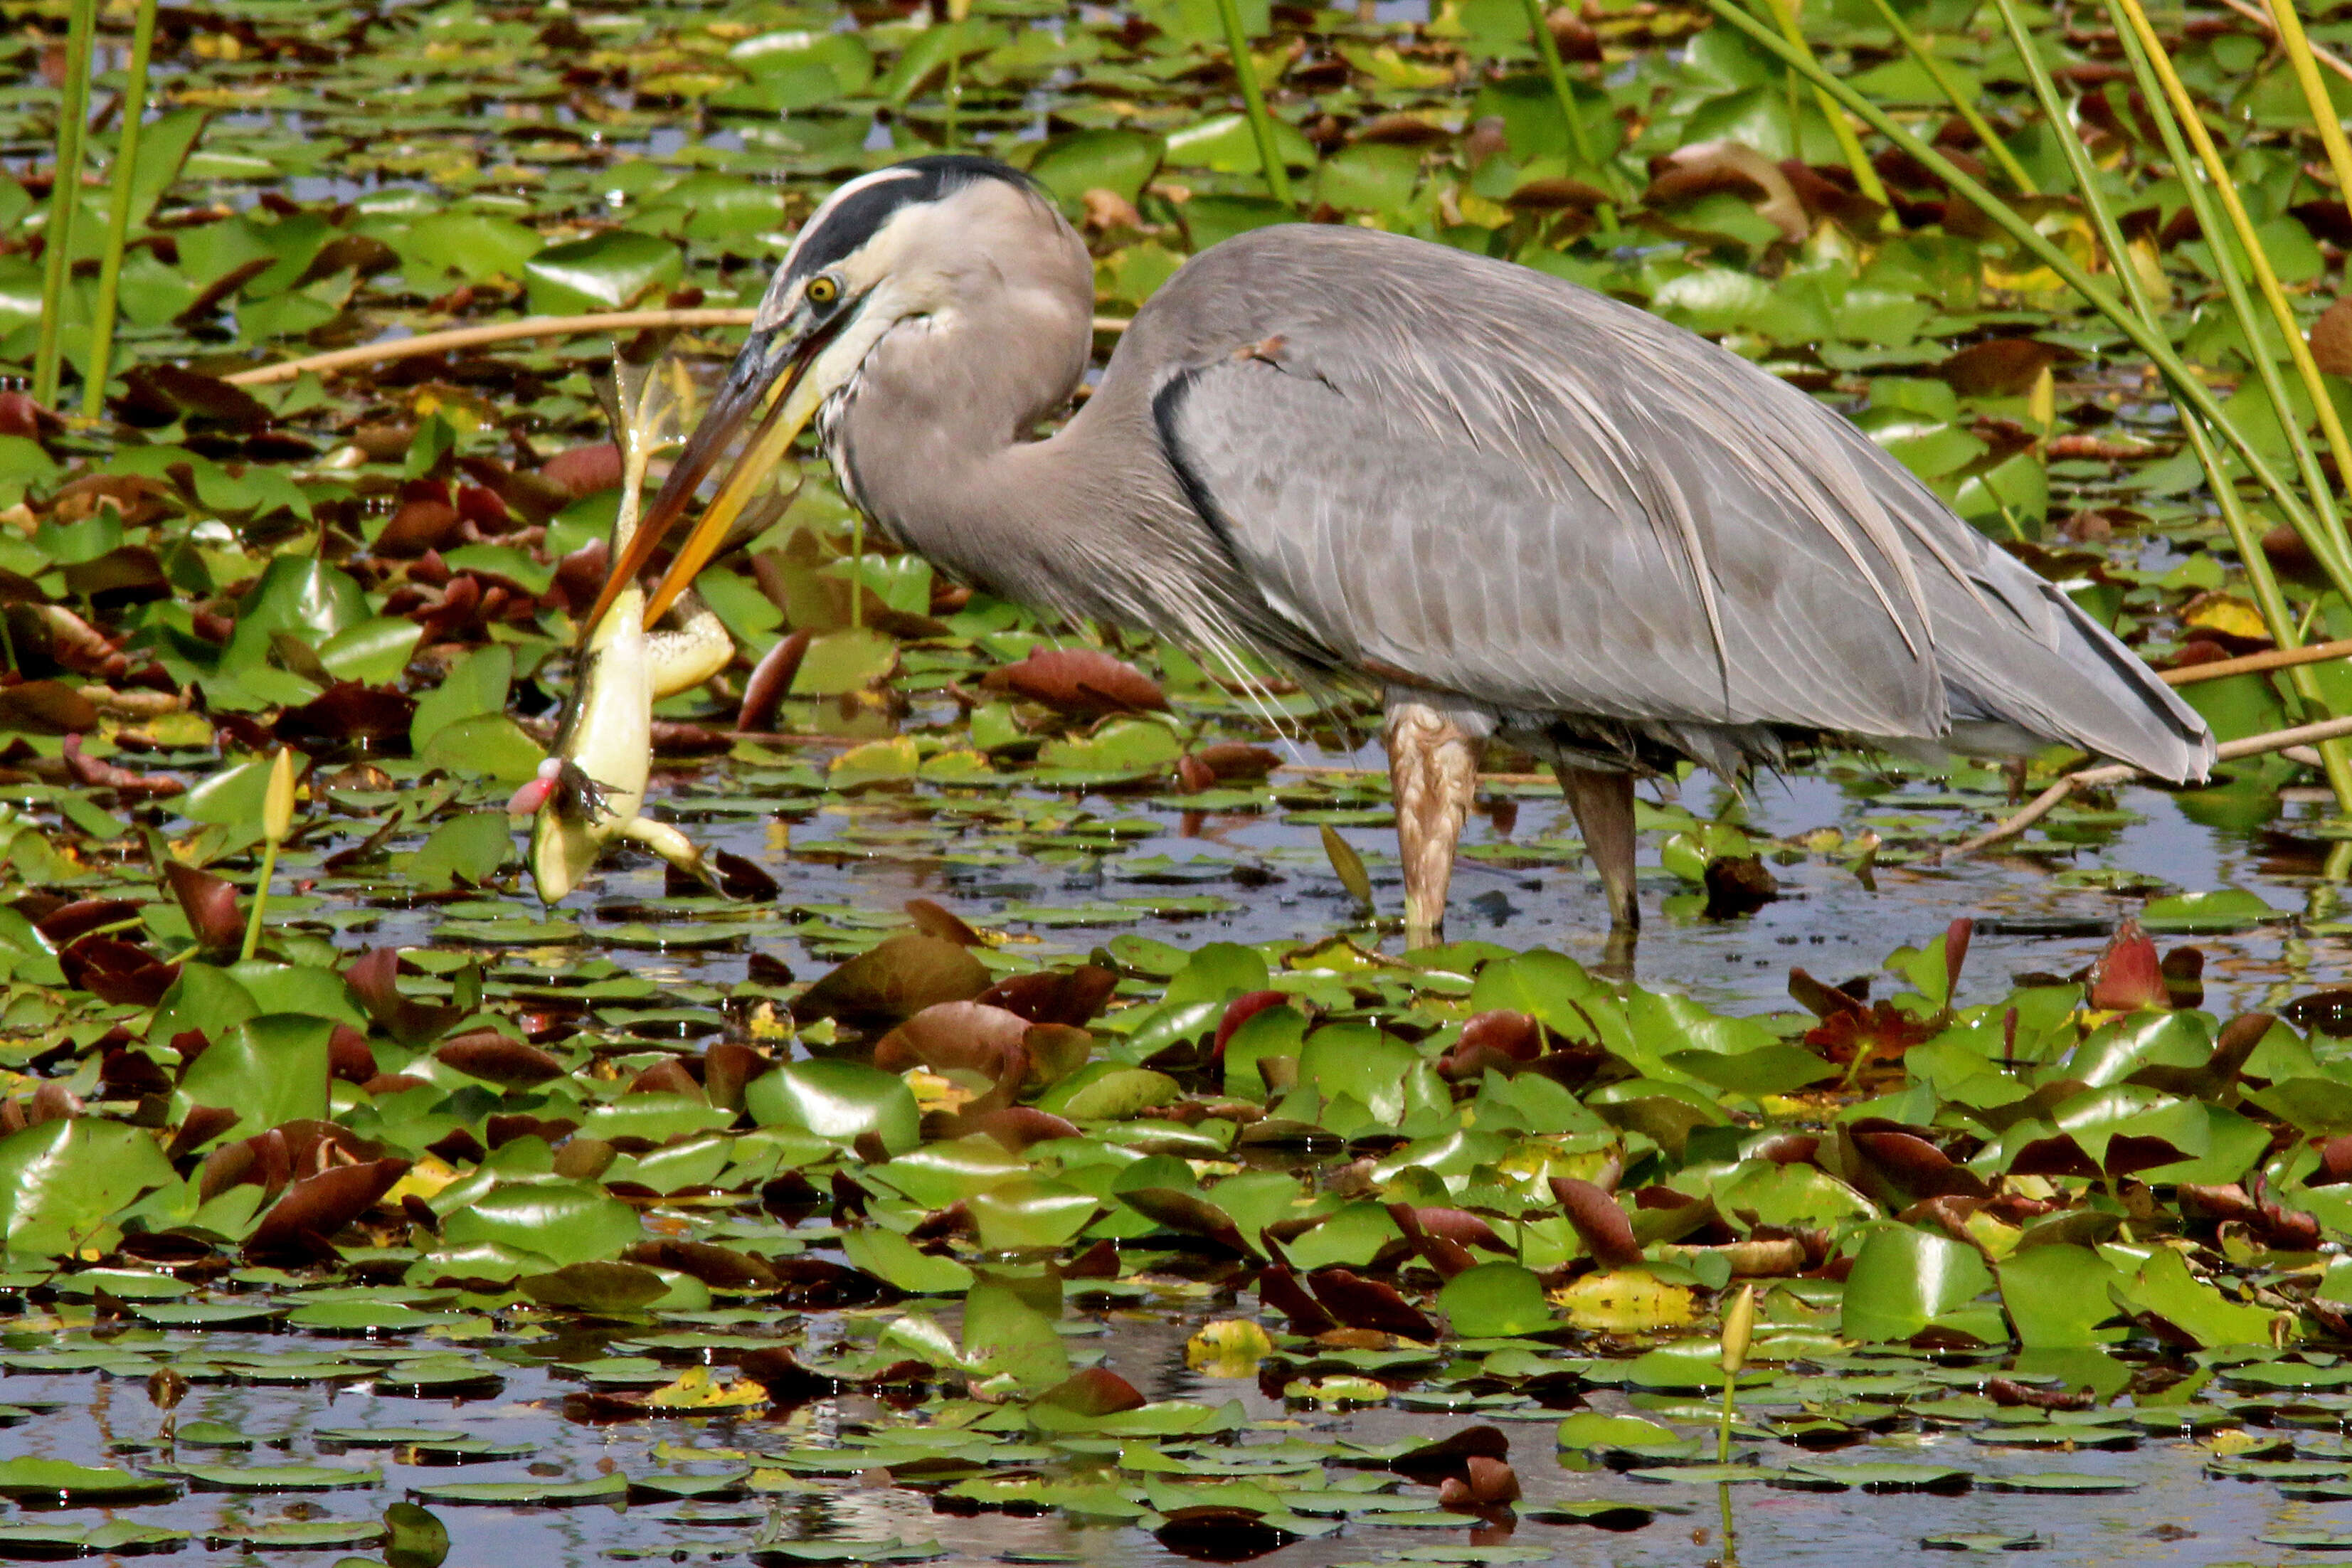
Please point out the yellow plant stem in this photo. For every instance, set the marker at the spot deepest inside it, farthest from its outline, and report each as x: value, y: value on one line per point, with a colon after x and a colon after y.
x: 118, y: 218
x: 1865, y: 178
x: 2276, y: 613
x: 1261, y: 120
x: 2265, y: 275
x: 1995, y: 148
x: 65, y: 202
x: 260, y: 901
x: 2286, y: 631
x: 2323, y: 117
x: 2233, y: 282
x: 1723, y: 1432
x: 2326, y: 545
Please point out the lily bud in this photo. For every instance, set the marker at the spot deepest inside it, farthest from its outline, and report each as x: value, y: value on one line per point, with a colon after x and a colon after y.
x: 278, y: 800
x: 1738, y: 1329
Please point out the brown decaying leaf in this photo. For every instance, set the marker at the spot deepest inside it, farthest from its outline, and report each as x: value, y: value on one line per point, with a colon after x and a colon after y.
x: 312, y: 1210
x: 496, y: 1058
x: 2127, y: 977
x: 348, y: 718
x: 1917, y: 1166
x: 117, y: 972
x: 1489, y: 1484
x: 771, y: 682
x: 1501, y: 1039
x: 1956, y: 938
x: 1188, y: 1213
x: 348, y: 1056
x: 937, y: 920
x: 45, y: 707
x: 91, y: 774
x: 1704, y: 167
x: 1240, y: 1011
x: 371, y: 979
x: 1444, y: 1254
x: 68, y: 922
x: 1999, y: 367
x: 968, y: 1037
x: 1451, y: 1456
x: 2331, y: 339
x: 667, y: 1075
x: 893, y: 981
x: 2010, y: 1393
x: 1230, y: 759
x: 422, y: 524
x: 1096, y: 1391
x: 200, y: 1126
x: 264, y: 1160
x: 1361, y: 1303
x: 1881, y: 1031
x: 1017, y: 1127
x: 1278, y: 1288
x: 1078, y: 680
x: 1608, y: 1235
x: 210, y: 904
x: 720, y: 1266
x: 727, y: 1067
x: 1068, y: 996
x: 585, y: 470
x: 1213, y: 1533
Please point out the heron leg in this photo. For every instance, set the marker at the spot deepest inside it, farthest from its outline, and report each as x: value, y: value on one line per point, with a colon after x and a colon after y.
x: 1433, y: 770
x: 1603, y: 804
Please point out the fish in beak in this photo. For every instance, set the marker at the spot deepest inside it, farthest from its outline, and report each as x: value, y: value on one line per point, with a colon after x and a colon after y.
x: 771, y: 371
x: 589, y: 792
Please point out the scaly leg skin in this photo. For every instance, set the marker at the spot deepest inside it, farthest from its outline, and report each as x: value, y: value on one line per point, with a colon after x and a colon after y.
x: 1434, y: 771
x: 1603, y: 804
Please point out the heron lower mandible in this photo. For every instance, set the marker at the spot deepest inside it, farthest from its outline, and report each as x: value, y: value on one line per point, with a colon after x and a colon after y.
x: 1520, y: 508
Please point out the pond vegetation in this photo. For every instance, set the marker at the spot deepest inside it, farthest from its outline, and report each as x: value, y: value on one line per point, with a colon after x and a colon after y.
x: 1041, y: 1147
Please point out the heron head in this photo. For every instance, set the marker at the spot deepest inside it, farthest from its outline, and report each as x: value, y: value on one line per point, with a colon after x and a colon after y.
x: 896, y: 245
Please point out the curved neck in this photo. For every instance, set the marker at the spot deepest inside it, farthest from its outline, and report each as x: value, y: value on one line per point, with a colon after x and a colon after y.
x: 935, y: 439
x: 933, y: 442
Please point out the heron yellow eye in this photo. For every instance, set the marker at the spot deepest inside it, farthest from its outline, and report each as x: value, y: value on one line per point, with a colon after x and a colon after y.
x: 822, y: 291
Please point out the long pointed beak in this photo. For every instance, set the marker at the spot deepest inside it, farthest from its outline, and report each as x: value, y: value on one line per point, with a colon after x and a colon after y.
x: 762, y: 366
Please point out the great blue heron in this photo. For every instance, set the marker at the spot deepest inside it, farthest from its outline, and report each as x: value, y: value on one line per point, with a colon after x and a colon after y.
x: 1523, y: 510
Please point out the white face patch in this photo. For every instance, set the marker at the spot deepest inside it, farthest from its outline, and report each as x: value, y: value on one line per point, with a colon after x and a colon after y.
x: 783, y: 290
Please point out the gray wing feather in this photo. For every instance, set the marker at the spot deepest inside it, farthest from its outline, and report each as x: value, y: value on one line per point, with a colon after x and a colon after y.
x: 1520, y: 491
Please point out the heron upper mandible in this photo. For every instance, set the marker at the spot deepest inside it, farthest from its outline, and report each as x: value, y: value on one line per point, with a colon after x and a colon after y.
x: 1523, y: 508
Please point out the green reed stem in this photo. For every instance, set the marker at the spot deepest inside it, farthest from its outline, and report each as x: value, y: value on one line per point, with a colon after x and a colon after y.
x: 2277, y: 614
x: 1995, y: 148
x: 2225, y: 265
x: 1580, y: 139
x: 2186, y: 388
x: 260, y: 900
x: 2331, y: 424
x: 65, y: 201
x: 118, y: 216
x: 2285, y: 630
x: 2323, y: 117
x: 1261, y: 120
x: 1865, y: 178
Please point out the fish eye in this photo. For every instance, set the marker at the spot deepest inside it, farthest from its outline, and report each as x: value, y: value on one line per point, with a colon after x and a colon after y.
x: 822, y: 291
